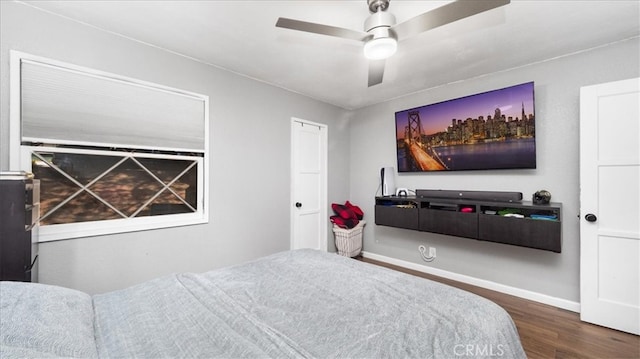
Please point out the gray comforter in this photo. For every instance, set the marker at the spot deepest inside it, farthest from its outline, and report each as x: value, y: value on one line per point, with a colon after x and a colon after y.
x: 296, y: 304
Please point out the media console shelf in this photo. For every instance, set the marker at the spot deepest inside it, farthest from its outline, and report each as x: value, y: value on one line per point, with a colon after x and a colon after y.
x: 522, y: 224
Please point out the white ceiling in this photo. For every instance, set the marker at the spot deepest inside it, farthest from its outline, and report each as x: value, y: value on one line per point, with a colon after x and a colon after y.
x: 240, y: 36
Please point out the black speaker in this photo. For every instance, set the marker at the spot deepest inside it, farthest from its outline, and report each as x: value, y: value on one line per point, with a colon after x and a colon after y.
x: 494, y: 196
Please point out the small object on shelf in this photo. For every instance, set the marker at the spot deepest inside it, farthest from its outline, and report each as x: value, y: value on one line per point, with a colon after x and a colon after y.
x: 402, y: 192
x: 408, y: 205
x: 542, y: 197
x: 550, y: 217
x: 507, y: 212
x: 349, y: 241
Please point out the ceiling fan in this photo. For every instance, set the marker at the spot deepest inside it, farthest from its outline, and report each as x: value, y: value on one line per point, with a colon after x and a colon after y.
x: 381, y: 33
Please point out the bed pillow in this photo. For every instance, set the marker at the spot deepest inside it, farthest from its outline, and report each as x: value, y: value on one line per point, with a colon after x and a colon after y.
x: 44, y: 321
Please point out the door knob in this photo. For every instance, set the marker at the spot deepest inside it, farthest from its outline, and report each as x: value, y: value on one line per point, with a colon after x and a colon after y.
x: 298, y: 204
x: 590, y: 217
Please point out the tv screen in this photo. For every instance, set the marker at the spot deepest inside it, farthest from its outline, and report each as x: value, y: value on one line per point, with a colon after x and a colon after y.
x: 489, y: 130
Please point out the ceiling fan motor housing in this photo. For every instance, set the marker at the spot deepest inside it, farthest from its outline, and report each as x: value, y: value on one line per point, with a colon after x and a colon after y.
x: 380, y: 19
x: 377, y: 5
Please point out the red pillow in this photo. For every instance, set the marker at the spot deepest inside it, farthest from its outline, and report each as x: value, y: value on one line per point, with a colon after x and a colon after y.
x: 355, y: 209
x: 344, y: 223
x: 344, y: 211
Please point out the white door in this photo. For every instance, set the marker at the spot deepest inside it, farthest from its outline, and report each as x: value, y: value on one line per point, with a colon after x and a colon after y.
x: 308, y: 185
x: 609, y: 205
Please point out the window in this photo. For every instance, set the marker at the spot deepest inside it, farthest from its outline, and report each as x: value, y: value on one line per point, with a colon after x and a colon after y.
x: 112, y: 154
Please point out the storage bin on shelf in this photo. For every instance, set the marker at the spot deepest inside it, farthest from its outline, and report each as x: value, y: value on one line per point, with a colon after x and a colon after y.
x: 349, y: 241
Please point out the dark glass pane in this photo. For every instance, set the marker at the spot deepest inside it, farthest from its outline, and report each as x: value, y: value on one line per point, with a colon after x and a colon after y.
x: 187, y: 186
x: 165, y: 169
x: 82, y: 167
x: 54, y: 187
x: 165, y: 203
x: 127, y: 187
x: 82, y: 208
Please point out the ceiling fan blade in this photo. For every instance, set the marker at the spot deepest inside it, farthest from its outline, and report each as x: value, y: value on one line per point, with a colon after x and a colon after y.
x: 321, y: 29
x: 376, y: 72
x: 443, y: 15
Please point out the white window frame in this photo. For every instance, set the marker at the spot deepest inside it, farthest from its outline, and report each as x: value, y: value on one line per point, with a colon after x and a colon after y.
x: 20, y: 158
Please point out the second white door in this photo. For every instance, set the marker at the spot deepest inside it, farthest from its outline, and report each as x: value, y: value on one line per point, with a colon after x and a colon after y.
x: 610, y: 205
x: 308, y: 185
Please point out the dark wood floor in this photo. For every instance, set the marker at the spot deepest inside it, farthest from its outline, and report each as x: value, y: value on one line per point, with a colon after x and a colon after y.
x: 547, y: 331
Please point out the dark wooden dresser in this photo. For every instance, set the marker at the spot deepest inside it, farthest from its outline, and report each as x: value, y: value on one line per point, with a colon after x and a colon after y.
x: 19, y: 212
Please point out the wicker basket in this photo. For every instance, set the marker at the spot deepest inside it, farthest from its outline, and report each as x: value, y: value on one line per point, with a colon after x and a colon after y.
x: 349, y: 241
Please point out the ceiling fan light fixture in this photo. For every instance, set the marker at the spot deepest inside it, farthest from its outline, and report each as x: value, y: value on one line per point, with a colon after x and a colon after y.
x: 383, y: 42
x: 380, y: 48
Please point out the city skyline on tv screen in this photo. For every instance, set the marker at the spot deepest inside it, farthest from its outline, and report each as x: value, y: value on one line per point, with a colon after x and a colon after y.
x: 489, y: 130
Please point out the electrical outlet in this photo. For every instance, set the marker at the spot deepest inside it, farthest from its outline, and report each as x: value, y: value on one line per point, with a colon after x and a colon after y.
x: 423, y: 252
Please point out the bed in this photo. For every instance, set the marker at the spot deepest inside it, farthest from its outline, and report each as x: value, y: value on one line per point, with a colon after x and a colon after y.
x: 294, y: 304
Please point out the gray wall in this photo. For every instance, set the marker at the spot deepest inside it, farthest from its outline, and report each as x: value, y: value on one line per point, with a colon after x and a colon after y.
x: 557, y: 88
x: 249, y: 180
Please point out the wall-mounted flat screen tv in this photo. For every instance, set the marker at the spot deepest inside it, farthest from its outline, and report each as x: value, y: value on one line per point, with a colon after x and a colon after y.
x: 489, y: 130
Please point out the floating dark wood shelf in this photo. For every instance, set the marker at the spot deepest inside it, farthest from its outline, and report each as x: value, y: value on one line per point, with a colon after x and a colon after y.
x: 522, y: 224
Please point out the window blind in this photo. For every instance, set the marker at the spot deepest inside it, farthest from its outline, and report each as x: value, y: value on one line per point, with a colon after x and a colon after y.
x: 69, y: 106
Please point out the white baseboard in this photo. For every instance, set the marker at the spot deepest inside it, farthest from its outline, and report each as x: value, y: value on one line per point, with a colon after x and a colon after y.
x: 518, y: 292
